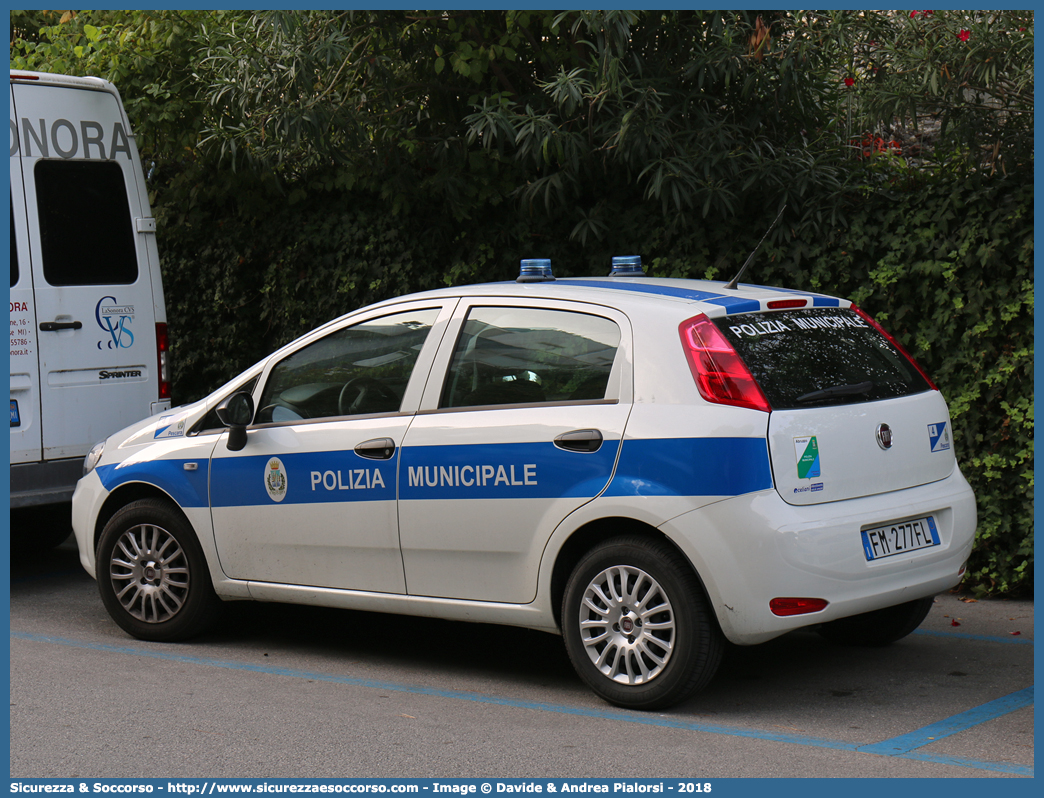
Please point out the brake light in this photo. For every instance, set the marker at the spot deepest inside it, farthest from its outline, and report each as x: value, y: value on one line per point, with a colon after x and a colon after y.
x: 785, y: 607
x: 163, y: 358
x: 720, y: 373
x: 782, y: 304
x: 902, y: 349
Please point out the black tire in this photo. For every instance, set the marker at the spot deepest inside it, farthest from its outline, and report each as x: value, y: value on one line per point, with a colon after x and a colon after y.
x: 152, y: 575
x: 880, y: 627
x: 634, y: 656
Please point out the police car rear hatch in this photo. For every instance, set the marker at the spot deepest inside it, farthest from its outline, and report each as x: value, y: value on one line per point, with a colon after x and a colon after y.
x: 852, y: 414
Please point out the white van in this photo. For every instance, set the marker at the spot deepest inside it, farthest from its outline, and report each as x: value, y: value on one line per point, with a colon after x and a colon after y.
x: 88, y: 322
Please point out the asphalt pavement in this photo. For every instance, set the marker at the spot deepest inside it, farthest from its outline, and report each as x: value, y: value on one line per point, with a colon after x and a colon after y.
x: 299, y: 692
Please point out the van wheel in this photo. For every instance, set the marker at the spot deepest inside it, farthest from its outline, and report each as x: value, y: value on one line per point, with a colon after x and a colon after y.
x: 880, y: 627
x: 152, y: 575
x: 637, y: 625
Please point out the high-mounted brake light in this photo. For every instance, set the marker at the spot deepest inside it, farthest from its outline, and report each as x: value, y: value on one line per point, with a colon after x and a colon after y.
x: 902, y: 349
x: 784, y: 607
x: 163, y: 358
x: 720, y: 373
x: 783, y: 304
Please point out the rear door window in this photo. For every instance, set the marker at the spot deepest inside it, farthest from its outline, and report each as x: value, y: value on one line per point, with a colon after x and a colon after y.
x: 521, y: 355
x: 816, y: 357
x: 86, y: 233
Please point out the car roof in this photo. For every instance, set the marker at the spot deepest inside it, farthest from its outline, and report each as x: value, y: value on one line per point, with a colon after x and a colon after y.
x: 712, y: 297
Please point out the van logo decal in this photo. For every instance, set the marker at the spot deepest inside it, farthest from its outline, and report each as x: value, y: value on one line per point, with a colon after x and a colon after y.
x: 115, y: 320
x: 63, y: 138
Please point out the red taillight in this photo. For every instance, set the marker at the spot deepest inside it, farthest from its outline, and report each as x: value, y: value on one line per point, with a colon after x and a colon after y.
x: 862, y: 314
x: 163, y: 357
x: 720, y: 373
x: 783, y: 304
x: 796, y: 606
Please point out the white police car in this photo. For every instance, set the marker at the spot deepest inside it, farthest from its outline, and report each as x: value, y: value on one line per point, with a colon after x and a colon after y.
x: 647, y: 466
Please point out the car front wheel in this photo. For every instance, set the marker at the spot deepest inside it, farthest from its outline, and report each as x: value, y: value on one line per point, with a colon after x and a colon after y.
x: 637, y: 625
x: 152, y: 574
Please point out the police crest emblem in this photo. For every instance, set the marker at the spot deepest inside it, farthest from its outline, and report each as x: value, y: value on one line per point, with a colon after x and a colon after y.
x: 275, y: 479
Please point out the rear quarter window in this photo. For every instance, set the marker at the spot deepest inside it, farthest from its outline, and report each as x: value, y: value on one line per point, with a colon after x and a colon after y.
x: 816, y: 357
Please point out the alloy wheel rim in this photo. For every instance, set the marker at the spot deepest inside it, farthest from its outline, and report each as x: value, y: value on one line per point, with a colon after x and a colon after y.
x: 627, y: 625
x: 149, y: 573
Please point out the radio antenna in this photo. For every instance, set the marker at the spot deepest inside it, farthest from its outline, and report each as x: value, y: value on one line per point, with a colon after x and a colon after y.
x: 731, y: 284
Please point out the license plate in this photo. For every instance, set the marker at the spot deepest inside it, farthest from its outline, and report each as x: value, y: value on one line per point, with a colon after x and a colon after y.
x: 15, y: 420
x: 899, y: 538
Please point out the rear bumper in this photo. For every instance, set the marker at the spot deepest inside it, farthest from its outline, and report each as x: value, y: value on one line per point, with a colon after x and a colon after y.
x: 751, y: 549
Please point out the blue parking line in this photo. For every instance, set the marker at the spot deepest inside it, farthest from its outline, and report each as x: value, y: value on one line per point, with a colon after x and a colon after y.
x: 950, y: 726
x: 902, y: 747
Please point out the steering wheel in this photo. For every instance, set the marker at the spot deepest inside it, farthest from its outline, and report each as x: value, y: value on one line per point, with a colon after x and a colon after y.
x: 366, y: 395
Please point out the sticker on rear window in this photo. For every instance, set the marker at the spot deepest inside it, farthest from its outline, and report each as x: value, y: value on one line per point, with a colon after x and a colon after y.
x: 939, y: 437
x: 807, y: 452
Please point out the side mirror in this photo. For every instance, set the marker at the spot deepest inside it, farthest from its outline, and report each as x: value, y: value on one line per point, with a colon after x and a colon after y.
x: 236, y: 412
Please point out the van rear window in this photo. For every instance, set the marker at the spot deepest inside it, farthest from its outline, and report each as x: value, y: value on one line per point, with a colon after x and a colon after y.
x: 86, y: 233
x: 819, y: 356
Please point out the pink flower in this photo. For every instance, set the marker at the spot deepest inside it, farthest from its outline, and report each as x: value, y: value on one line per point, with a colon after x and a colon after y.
x: 850, y: 82
x: 964, y: 35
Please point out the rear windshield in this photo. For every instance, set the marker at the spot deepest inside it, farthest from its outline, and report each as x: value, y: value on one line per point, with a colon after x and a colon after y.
x: 819, y: 356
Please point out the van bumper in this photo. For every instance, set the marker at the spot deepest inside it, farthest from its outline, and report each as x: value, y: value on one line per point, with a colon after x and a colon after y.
x: 45, y: 482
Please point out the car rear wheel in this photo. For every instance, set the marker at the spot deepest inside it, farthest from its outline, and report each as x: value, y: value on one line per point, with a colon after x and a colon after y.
x: 152, y: 574
x: 637, y: 625
x: 880, y: 627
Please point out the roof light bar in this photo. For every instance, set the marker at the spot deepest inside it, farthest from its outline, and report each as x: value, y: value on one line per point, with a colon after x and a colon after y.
x: 627, y: 266
x: 536, y: 270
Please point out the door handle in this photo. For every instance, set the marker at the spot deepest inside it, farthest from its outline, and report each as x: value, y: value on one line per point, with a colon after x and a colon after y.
x: 51, y: 326
x: 580, y: 440
x: 377, y: 449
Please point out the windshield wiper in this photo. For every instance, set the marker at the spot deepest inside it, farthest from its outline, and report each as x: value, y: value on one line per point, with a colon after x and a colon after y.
x: 837, y: 390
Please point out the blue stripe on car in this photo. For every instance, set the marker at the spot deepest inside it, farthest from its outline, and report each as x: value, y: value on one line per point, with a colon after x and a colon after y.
x: 187, y: 488
x: 732, y: 304
x: 658, y: 467
x: 692, y: 467
x: 504, y: 471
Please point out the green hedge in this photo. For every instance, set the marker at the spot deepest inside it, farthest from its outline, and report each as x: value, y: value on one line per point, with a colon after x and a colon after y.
x: 946, y: 266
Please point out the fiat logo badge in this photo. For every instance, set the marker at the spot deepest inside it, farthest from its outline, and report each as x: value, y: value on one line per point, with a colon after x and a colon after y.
x: 884, y: 436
